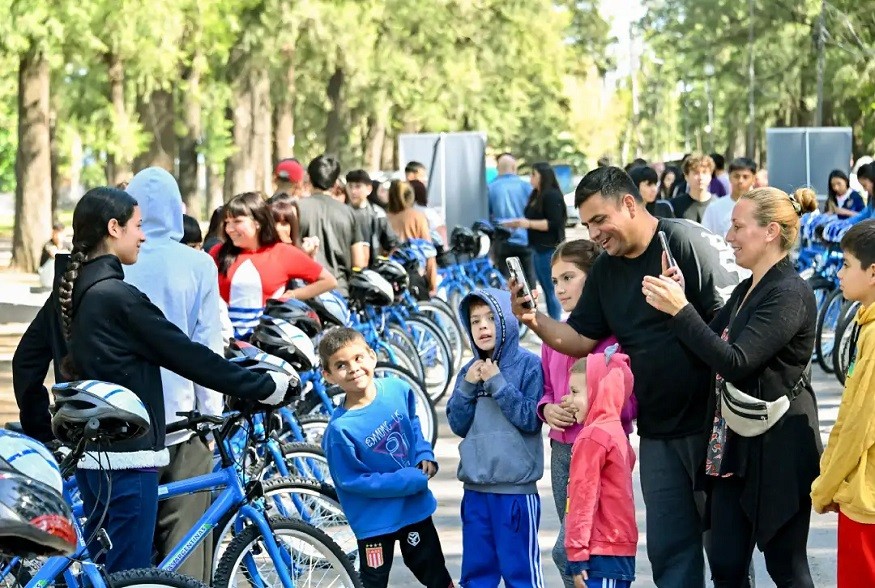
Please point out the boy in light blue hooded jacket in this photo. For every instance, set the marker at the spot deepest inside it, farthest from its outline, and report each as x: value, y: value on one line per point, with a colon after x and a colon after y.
x: 184, y: 284
x: 494, y: 407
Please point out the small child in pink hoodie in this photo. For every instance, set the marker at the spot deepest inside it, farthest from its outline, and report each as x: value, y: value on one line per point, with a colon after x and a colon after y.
x: 601, y: 536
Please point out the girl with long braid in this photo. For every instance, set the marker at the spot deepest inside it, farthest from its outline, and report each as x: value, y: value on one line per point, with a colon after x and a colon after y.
x: 106, y: 329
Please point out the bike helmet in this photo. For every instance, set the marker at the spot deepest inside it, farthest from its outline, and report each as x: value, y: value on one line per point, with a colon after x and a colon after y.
x: 263, y: 363
x: 120, y: 413
x: 484, y: 227
x: 394, y: 273
x: 34, y: 519
x: 31, y: 458
x: 331, y: 308
x: 463, y: 240
x: 286, y: 341
x: 407, y: 258
x: 369, y: 287
x: 298, y: 313
x: 241, y: 349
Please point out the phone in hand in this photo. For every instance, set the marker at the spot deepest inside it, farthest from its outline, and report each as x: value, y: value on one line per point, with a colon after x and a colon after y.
x: 663, y: 240
x: 515, y: 268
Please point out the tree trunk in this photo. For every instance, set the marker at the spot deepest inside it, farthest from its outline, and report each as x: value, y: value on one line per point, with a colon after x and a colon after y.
x: 118, y: 163
x: 389, y: 157
x: 377, y: 136
x: 334, y: 123
x: 33, y: 185
x: 189, y: 168
x: 156, y: 114
x: 75, y: 165
x: 215, y: 188
x: 285, y: 110
x: 248, y: 168
x: 53, y: 150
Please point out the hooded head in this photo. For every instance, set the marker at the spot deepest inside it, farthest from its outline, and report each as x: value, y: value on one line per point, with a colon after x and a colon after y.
x: 160, y: 202
x: 608, y: 386
x: 507, y: 330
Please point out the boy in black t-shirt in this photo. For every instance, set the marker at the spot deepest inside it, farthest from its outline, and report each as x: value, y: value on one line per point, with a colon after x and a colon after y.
x: 672, y: 385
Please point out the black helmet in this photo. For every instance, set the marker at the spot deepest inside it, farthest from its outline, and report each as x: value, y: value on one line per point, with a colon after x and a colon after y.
x: 369, y: 287
x: 331, y: 308
x: 120, y: 413
x: 34, y: 519
x: 286, y: 341
x: 263, y: 363
x: 241, y: 349
x: 484, y: 227
x: 394, y: 273
x: 463, y: 240
x: 296, y: 312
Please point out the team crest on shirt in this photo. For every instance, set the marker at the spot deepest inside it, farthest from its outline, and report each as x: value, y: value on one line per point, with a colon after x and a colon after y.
x: 413, y: 539
x: 374, y: 556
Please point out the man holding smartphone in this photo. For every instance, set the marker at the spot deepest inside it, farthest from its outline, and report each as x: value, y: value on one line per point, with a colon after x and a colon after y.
x: 672, y: 386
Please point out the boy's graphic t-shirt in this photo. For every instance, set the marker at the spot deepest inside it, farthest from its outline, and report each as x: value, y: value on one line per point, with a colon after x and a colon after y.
x: 372, y: 453
x: 256, y: 276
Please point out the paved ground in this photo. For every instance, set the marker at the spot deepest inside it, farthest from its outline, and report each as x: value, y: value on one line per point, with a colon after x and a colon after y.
x: 16, y: 307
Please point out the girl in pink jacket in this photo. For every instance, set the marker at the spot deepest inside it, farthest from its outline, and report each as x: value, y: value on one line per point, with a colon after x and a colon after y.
x: 601, y: 535
x: 571, y: 264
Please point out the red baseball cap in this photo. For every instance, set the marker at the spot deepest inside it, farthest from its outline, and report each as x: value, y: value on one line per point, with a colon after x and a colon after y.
x: 289, y: 170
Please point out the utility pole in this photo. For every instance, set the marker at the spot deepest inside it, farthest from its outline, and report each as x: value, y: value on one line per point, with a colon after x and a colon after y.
x: 751, y: 83
x: 821, y: 59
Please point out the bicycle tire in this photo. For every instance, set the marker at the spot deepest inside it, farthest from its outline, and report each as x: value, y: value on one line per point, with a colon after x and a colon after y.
x: 313, y: 426
x: 432, y: 344
x: 841, y: 351
x: 322, y: 494
x: 293, y: 453
x: 249, y: 538
x: 821, y: 295
x: 404, y: 349
x: 151, y: 578
x: 825, y: 337
x: 425, y: 409
x: 439, y: 312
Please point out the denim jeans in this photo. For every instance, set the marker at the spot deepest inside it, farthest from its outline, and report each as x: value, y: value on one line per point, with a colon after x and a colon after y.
x: 541, y: 259
x: 132, y: 496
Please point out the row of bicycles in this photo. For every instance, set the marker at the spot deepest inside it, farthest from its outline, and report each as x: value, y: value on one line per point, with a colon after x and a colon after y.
x: 819, y: 260
x: 275, y: 519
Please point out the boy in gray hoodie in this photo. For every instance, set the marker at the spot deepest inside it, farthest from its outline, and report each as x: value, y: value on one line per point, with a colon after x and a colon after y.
x: 494, y: 408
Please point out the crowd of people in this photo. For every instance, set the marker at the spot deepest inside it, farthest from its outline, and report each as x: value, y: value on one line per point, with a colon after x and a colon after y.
x: 702, y: 342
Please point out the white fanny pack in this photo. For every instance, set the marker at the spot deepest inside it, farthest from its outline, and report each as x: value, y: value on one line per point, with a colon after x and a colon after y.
x: 749, y: 416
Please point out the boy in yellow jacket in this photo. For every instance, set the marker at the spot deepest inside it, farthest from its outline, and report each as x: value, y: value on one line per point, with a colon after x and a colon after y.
x: 847, y: 469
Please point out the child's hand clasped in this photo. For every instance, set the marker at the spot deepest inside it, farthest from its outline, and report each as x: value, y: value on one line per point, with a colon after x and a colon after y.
x: 474, y: 373
x: 489, y: 370
x: 558, y: 416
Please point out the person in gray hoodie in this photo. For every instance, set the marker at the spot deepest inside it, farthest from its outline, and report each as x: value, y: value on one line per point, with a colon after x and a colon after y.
x: 183, y: 282
x: 494, y: 408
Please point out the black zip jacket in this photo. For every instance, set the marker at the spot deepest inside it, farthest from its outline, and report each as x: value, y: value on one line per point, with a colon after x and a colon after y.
x: 119, y: 336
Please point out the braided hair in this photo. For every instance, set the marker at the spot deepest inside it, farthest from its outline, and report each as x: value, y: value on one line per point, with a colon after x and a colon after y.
x: 90, y: 219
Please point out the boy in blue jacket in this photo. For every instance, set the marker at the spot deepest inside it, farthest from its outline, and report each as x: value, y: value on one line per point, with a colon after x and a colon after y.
x: 494, y: 407
x: 381, y: 464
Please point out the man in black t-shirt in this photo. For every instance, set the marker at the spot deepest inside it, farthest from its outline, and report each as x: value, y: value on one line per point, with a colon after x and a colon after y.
x: 672, y: 386
x: 341, y: 243
x: 375, y: 227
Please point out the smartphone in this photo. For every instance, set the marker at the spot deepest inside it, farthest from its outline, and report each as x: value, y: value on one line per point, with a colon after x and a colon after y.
x: 663, y: 240
x: 515, y: 268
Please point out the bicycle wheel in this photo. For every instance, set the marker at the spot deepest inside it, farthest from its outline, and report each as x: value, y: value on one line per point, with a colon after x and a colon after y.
x: 313, y: 426
x: 439, y: 313
x: 303, y: 460
x: 310, y: 556
x: 403, y: 349
x: 841, y: 351
x: 424, y: 406
x: 827, y: 322
x: 314, y: 503
x: 151, y: 578
x: 434, y: 349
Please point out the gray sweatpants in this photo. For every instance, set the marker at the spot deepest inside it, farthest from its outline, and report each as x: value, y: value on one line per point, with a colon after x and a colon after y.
x: 560, y: 465
x: 177, y: 516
